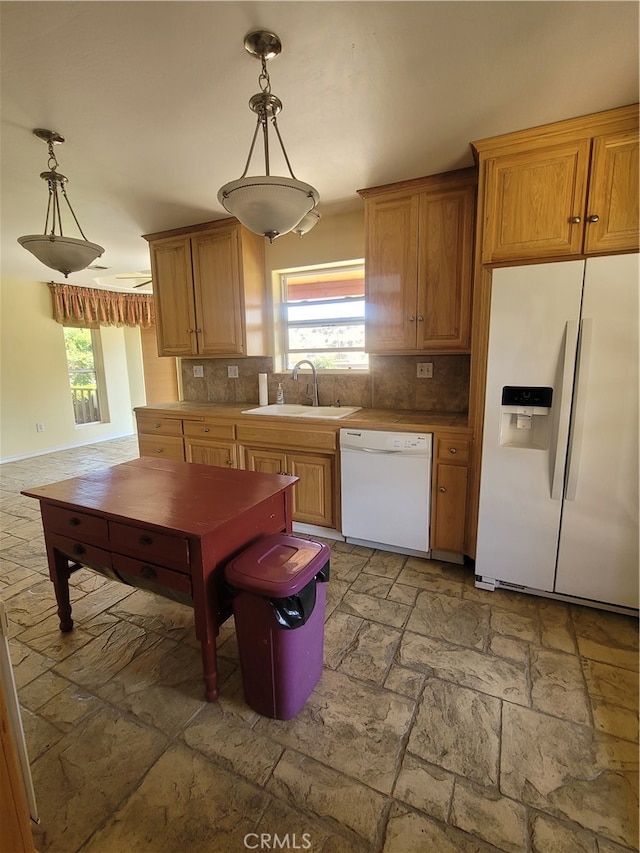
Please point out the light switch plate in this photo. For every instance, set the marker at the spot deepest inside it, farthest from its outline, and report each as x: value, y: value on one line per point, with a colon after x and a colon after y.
x: 198, y: 371
x: 425, y: 370
x: 232, y: 372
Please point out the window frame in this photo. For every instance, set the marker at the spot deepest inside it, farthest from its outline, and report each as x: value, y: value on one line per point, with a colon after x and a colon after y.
x: 283, y: 324
x: 98, y: 370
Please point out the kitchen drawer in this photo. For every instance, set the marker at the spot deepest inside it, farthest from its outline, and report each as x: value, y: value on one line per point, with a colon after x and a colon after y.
x: 159, y: 426
x: 167, y: 447
x: 81, y: 552
x: 198, y: 429
x: 162, y: 548
x: 79, y: 525
x: 150, y: 576
x: 452, y: 450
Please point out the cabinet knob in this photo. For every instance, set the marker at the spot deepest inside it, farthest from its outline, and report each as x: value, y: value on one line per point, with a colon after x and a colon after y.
x: 411, y: 318
x: 453, y: 450
x: 575, y: 220
x: 73, y: 521
x: 157, y: 426
x: 442, y: 490
x: 78, y: 549
x: 230, y: 463
x: 206, y: 429
x: 593, y: 218
x: 145, y: 540
x: 198, y: 330
x: 160, y: 450
x: 190, y: 330
x: 148, y: 572
x: 420, y: 318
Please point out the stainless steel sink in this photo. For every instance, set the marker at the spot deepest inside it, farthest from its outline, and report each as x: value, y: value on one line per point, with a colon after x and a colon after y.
x: 293, y: 410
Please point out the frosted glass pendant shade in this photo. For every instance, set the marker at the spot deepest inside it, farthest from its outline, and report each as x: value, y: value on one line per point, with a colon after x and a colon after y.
x: 268, y: 205
x: 64, y: 254
x: 307, y: 223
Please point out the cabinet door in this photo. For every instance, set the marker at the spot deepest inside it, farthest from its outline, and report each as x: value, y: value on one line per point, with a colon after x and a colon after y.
x: 220, y: 453
x: 173, y: 294
x: 531, y: 199
x: 313, y: 494
x: 218, y: 300
x: 444, y: 269
x: 391, y: 275
x: 613, y: 194
x: 265, y: 461
x: 450, y: 497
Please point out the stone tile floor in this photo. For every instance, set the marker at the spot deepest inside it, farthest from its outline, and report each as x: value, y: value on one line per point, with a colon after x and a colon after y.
x: 448, y: 719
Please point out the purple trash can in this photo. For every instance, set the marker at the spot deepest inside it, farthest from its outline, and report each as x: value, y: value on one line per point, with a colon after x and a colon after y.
x: 279, y: 607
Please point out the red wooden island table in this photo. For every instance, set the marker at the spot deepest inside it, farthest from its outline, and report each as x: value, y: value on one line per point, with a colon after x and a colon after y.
x: 165, y: 526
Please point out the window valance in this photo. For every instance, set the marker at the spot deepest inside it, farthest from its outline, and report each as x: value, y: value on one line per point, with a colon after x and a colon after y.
x: 90, y: 307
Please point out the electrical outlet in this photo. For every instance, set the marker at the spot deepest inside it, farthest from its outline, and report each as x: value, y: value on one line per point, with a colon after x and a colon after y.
x: 232, y: 372
x: 39, y: 427
x: 198, y: 371
x: 425, y: 370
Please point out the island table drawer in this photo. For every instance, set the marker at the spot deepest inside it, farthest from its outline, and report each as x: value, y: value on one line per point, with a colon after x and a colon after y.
x: 78, y: 525
x: 163, y: 549
x: 80, y: 552
x: 152, y: 577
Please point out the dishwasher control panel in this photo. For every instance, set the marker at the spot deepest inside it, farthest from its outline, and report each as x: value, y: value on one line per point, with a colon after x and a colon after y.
x: 379, y: 441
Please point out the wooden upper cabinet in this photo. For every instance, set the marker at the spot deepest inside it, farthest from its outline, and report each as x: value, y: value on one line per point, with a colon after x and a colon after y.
x: 613, y: 194
x: 209, y: 286
x: 560, y: 191
x: 532, y: 199
x: 418, y: 263
x: 391, y: 274
x: 172, y: 289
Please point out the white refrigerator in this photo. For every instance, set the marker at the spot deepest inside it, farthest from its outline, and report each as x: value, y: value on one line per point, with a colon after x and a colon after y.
x: 558, y: 509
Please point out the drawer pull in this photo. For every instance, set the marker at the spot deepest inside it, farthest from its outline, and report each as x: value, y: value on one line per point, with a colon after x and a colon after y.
x: 593, y: 218
x: 206, y: 429
x: 575, y: 220
x: 160, y: 450
x: 145, y: 540
x: 78, y: 549
x: 442, y: 490
x: 157, y: 426
x: 148, y: 572
x: 73, y: 521
x: 453, y: 450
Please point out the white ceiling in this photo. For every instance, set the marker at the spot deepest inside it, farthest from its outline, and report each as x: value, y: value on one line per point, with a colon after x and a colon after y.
x: 152, y: 98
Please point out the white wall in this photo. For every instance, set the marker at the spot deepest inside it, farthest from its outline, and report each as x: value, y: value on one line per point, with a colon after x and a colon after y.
x: 34, y: 384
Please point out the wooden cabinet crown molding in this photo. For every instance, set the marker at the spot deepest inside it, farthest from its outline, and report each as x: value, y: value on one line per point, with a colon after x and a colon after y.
x: 424, y: 184
x: 594, y: 124
x: 191, y: 230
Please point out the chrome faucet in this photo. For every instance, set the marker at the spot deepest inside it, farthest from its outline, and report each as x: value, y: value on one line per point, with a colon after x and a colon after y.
x: 314, y: 391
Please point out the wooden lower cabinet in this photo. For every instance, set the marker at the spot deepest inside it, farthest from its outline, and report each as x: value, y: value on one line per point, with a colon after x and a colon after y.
x: 449, y: 493
x: 211, y: 452
x: 313, y: 495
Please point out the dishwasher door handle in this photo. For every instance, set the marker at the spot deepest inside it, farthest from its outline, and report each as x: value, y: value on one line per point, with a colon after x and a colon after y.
x: 374, y: 450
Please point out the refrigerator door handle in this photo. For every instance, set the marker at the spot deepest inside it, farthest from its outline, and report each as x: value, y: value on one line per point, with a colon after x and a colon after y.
x: 573, y: 465
x: 570, y: 341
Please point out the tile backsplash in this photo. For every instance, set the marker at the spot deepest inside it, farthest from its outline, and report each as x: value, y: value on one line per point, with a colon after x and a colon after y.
x: 390, y: 383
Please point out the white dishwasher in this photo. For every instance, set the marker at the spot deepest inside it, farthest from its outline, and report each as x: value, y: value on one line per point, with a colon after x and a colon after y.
x: 386, y: 486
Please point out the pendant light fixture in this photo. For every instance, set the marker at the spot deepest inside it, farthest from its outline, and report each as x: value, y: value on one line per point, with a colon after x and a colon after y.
x: 52, y: 248
x: 267, y: 204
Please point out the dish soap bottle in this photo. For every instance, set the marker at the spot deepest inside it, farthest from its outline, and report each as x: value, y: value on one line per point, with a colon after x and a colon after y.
x: 279, y: 394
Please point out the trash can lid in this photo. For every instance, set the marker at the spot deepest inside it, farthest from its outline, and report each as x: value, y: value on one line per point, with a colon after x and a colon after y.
x: 277, y: 565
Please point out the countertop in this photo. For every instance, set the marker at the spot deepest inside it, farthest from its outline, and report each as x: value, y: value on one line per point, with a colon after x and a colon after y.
x: 392, y: 419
